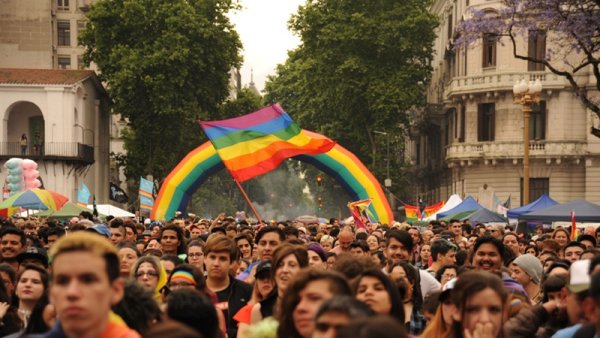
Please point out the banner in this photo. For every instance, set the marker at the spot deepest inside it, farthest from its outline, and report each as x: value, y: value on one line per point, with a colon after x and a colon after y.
x: 146, y: 195
x: 83, y: 195
x: 117, y: 194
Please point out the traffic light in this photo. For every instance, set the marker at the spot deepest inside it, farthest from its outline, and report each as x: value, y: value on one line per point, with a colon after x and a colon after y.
x: 319, y: 180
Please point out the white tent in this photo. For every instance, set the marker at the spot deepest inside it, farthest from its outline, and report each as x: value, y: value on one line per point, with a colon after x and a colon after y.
x: 452, y: 201
x: 111, y: 210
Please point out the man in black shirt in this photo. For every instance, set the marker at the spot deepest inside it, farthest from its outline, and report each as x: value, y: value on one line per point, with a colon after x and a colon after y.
x: 220, y: 252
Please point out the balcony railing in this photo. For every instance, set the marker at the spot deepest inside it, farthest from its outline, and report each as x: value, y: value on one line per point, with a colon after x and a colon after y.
x: 497, y: 81
x: 514, y: 149
x: 65, y: 151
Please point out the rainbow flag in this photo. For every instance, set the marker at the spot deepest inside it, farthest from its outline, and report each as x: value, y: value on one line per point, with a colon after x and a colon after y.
x: 256, y: 143
x: 146, y: 195
x: 361, y: 213
x: 432, y: 209
x: 414, y: 213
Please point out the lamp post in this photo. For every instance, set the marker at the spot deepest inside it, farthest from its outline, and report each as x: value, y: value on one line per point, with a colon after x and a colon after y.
x: 388, y: 180
x: 526, y: 94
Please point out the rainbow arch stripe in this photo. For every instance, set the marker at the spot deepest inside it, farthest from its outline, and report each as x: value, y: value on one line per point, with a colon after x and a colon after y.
x: 202, y: 162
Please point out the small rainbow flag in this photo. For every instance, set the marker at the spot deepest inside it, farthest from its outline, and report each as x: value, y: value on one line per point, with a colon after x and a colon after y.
x: 146, y: 196
x: 256, y: 143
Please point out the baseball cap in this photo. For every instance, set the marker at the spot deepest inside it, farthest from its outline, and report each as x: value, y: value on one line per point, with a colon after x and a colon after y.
x: 579, y: 277
x: 100, y: 229
x: 263, y: 268
x: 35, y: 253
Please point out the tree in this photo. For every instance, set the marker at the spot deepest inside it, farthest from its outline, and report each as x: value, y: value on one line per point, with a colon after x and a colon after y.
x: 166, y: 64
x: 572, y: 28
x: 362, y: 66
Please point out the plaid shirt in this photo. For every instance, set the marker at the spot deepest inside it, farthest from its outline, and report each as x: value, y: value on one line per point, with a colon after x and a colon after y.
x: 417, y: 323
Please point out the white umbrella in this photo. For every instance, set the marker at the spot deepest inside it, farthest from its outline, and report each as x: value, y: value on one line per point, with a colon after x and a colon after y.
x: 111, y: 210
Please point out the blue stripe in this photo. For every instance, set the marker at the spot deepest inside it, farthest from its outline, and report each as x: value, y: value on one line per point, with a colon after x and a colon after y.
x: 269, y: 127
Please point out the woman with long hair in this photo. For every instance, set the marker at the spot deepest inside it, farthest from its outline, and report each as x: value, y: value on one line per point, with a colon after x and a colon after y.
x: 441, y: 324
x: 31, y: 289
x: 149, y: 272
x: 375, y: 289
x: 263, y: 286
x: 407, y: 277
x: 303, y: 297
x: 288, y: 260
x: 481, y: 305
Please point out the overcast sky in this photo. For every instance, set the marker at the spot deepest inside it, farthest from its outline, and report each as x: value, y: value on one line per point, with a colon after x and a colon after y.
x: 262, y: 26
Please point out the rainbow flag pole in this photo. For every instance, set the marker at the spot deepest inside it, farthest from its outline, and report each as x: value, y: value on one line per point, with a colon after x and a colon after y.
x: 256, y: 143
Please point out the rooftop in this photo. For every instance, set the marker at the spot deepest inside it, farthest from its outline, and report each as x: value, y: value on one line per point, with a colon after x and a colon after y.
x: 43, y: 76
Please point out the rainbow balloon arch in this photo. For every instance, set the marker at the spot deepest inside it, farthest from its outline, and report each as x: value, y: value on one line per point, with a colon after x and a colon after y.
x: 202, y: 162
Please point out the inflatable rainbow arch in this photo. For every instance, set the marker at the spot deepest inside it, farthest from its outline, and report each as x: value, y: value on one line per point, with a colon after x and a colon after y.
x: 200, y: 163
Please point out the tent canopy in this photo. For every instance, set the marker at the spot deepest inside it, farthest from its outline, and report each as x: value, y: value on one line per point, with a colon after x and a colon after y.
x: 541, y: 203
x: 484, y: 215
x: 111, y: 210
x: 68, y: 210
x: 584, y: 212
x: 459, y: 215
x: 468, y: 204
x: 452, y: 201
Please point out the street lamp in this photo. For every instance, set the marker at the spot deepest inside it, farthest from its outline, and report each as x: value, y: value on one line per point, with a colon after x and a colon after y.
x: 526, y: 94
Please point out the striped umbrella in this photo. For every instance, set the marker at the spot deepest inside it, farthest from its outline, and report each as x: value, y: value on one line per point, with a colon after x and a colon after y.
x: 37, y: 199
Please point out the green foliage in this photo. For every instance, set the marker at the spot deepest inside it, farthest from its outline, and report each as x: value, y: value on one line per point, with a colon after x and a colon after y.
x: 166, y: 64
x: 362, y: 66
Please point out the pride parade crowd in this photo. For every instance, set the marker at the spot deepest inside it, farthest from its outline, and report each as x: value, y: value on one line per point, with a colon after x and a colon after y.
x: 221, y: 277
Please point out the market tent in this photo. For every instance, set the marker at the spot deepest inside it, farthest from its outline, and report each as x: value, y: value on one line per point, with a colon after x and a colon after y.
x: 458, y: 215
x: 541, y: 203
x: 484, y: 215
x: 111, y: 210
x: 468, y: 204
x: 452, y: 201
x: 68, y: 210
x: 584, y: 212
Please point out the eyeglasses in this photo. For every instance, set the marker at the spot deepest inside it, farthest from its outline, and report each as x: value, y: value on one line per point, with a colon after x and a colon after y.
x: 195, y: 255
x: 141, y: 274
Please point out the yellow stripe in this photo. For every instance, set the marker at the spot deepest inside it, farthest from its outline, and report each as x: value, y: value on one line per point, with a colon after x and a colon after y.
x: 249, y: 147
x: 363, y: 180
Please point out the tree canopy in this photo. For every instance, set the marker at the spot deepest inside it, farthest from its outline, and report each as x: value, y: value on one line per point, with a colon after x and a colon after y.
x: 362, y: 66
x: 573, y: 33
x: 166, y: 64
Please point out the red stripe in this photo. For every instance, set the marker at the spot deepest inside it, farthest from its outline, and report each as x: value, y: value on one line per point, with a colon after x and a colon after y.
x: 258, y: 117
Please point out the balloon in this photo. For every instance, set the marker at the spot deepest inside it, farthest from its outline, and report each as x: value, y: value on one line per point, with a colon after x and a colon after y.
x: 33, y: 184
x: 14, y: 162
x: 14, y: 187
x: 14, y: 179
x: 31, y: 175
x: 15, y: 171
x: 28, y: 164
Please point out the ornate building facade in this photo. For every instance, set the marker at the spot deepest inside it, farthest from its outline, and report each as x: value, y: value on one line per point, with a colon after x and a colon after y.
x: 470, y: 141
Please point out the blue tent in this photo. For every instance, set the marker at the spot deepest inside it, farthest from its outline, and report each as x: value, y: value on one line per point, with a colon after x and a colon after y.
x: 469, y: 203
x: 584, y: 212
x: 484, y: 215
x: 541, y: 203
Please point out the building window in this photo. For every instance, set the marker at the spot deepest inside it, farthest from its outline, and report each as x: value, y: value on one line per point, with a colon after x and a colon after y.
x: 62, y: 5
x: 80, y: 27
x: 80, y: 64
x: 64, y: 32
x: 461, y: 118
x: 537, y: 122
x: 486, y: 116
x: 536, y: 49
x: 64, y: 62
x: 537, y: 187
x: 489, y: 50
x: 450, y: 27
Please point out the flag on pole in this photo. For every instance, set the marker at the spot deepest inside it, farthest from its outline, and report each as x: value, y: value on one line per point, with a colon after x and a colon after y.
x: 83, y: 195
x: 573, y: 226
x: 361, y: 213
x: 117, y: 194
x: 256, y: 143
x: 146, y: 196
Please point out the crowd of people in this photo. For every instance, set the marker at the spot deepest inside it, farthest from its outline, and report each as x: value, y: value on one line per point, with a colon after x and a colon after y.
x: 222, y: 277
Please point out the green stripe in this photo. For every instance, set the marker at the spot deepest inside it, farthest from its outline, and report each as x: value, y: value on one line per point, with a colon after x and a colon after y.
x: 247, y: 135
